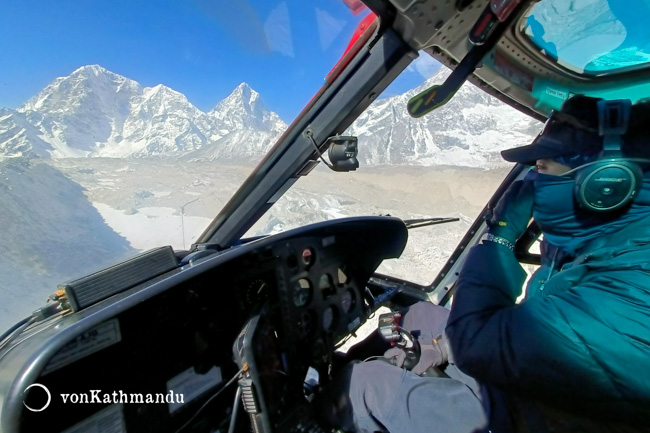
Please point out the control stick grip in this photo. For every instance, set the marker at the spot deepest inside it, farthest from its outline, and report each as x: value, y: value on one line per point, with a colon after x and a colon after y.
x: 392, y: 332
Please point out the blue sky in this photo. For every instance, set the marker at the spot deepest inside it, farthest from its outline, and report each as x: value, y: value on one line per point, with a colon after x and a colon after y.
x: 201, y: 48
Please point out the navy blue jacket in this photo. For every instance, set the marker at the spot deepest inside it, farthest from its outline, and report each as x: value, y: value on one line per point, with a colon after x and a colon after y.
x: 575, y: 355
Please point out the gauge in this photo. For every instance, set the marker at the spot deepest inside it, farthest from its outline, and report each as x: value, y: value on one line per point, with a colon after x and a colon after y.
x: 329, y: 319
x: 347, y: 301
x: 306, y: 324
x: 326, y: 286
x: 301, y: 292
x: 256, y: 291
x: 307, y: 257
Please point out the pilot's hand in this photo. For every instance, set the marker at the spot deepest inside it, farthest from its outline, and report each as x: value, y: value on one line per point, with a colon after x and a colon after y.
x: 396, y: 356
x: 432, y: 354
x: 511, y: 215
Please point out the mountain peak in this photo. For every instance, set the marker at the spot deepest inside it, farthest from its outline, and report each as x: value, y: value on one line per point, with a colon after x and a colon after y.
x: 245, y: 94
x: 96, y: 73
x: 91, y: 69
x: 243, y: 99
x: 84, y: 84
x: 244, y: 87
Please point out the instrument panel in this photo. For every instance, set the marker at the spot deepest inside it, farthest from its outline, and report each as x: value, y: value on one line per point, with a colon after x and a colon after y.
x: 322, y: 302
x: 177, y: 332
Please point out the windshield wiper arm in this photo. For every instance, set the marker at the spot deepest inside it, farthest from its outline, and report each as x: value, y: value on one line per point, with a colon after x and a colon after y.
x: 422, y: 222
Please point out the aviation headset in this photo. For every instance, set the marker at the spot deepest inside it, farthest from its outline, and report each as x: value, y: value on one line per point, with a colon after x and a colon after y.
x: 612, y: 181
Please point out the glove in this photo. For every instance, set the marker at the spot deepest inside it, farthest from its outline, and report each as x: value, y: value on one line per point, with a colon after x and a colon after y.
x: 511, y: 215
x: 432, y: 354
x: 396, y: 356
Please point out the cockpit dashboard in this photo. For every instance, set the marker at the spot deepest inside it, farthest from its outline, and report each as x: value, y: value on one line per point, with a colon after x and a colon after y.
x: 264, y: 312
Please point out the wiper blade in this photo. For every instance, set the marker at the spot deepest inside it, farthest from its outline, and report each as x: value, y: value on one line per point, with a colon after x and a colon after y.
x: 422, y: 222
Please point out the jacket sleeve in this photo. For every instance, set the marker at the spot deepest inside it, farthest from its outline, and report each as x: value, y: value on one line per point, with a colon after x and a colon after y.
x: 530, y: 347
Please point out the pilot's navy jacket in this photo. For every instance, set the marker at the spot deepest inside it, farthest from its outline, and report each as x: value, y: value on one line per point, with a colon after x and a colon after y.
x: 575, y: 355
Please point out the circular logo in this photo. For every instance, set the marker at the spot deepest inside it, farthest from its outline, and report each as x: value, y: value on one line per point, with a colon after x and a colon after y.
x: 49, y: 397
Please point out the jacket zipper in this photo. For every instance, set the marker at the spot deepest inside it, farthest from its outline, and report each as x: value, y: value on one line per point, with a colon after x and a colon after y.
x: 550, y: 272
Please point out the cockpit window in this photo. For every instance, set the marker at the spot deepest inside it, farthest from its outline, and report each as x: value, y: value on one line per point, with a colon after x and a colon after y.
x: 591, y: 36
x: 443, y: 165
x: 127, y: 126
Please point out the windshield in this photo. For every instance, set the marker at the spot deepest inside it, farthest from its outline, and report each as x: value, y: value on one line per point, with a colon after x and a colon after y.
x: 128, y: 126
x: 591, y: 36
x: 443, y: 165
x: 125, y: 126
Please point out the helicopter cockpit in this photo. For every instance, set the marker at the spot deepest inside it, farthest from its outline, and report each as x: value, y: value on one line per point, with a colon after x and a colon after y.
x: 238, y: 334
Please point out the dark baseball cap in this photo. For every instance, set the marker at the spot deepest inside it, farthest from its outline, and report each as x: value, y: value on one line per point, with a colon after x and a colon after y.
x: 571, y: 131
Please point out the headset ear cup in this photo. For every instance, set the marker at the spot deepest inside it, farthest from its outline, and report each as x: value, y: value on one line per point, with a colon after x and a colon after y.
x: 607, y: 185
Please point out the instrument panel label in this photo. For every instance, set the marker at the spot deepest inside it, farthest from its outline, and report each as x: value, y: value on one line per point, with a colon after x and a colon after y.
x: 91, y: 341
x: 557, y: 93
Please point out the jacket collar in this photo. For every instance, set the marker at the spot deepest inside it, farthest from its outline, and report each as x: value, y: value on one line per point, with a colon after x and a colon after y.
x: 635, y: 236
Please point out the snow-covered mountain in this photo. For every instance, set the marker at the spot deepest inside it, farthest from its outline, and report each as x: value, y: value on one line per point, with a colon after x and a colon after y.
x: 245, y: 126
x: 94, y: 112
x: 469, y: 130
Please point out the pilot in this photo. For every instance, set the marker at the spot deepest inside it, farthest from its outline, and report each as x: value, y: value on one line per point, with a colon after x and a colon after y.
x: 574, y: 355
